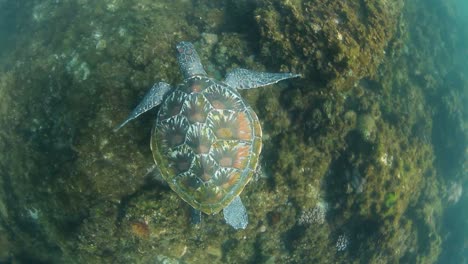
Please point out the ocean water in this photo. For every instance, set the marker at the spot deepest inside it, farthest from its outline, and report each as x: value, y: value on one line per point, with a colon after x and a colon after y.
x: 364, y: 157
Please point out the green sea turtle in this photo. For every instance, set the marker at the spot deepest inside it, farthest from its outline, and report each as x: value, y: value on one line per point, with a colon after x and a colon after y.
x: 206, y: 140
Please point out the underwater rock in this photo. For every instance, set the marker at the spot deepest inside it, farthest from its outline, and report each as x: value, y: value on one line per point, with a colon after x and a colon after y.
x: 335, y: 42
x: 167, y: 260
x: 210, y: 38
x: 350, y: 118
x: 77, y: 68
x: 355, y: 180
x: 366, y: 127
x: 93, y: 197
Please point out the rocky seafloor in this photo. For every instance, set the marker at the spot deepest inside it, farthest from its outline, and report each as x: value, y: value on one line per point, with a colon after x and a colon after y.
x: 364, y: 157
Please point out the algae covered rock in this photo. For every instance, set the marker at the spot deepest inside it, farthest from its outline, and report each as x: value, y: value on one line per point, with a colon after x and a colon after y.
x: 334, y: 42
x: 366, y: 126
x: 338, y: 159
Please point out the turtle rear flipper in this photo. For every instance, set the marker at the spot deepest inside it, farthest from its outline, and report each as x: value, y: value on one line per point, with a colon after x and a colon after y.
x: 196, y: 217
x: 235, y: 214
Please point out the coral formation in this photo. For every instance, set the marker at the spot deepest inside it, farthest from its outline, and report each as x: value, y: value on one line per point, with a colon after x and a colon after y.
x: 314, y: 216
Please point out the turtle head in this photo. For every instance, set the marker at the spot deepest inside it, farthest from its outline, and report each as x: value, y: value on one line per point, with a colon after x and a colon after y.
x: 189, y: 62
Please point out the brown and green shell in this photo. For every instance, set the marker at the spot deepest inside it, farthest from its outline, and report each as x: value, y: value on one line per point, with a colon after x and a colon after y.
x: 206, y: 141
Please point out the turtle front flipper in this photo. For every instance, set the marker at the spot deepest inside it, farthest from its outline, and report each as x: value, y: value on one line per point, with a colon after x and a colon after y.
x: 247, y: 79
x: 189, y: 61
x: 152, y: 99
x: 235, y: 214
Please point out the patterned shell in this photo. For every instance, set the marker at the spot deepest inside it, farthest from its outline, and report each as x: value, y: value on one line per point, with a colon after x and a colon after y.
x: 207, y: 142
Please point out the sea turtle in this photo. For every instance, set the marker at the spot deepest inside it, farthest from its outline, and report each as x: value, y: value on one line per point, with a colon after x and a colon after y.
x: 206, y: 139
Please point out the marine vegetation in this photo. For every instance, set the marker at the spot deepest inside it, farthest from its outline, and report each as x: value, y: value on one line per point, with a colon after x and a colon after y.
x: 353, y: 165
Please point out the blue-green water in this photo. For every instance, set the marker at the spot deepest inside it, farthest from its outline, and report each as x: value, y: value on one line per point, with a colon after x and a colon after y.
x: 364, y: 158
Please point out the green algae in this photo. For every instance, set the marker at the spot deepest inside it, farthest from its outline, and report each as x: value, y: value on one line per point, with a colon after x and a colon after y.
x: 74, y: 190
x: 390, y: 200
x: 336, y: 43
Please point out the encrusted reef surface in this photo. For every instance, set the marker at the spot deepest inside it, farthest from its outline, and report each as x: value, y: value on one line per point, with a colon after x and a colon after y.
x: 333, y: 42
x: 364, y: 158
